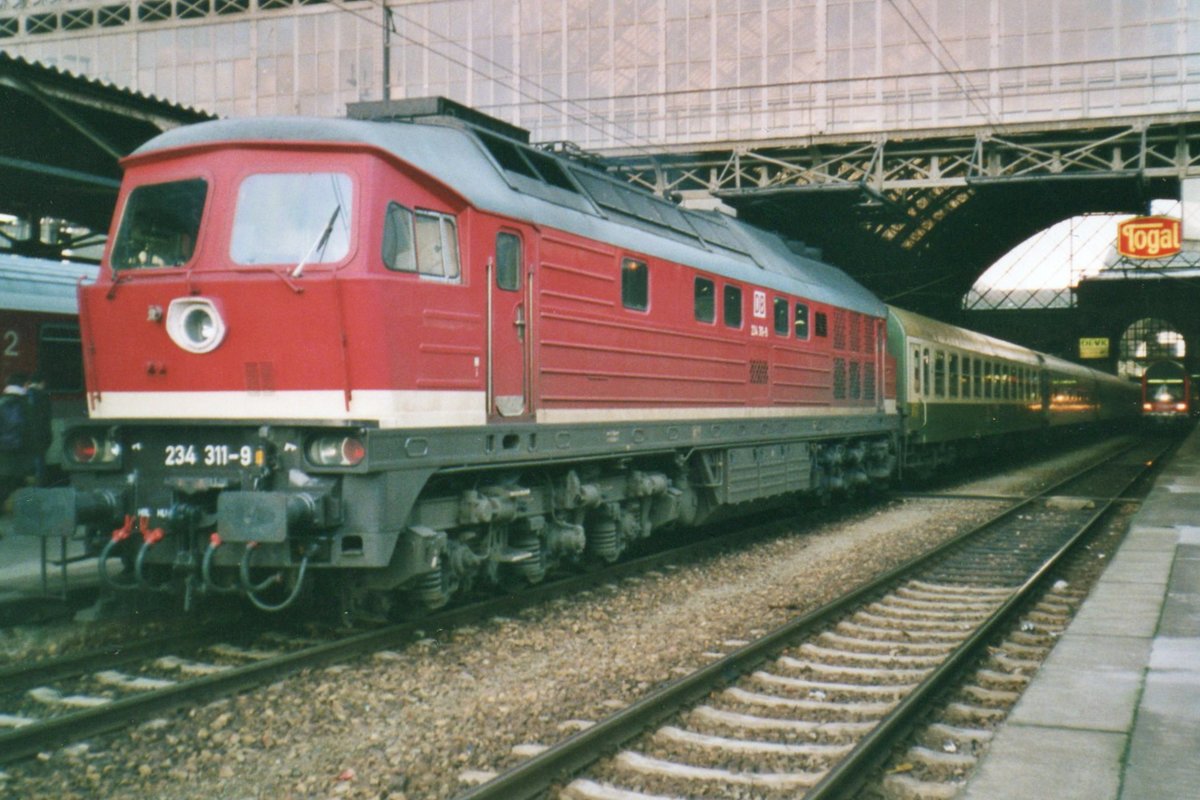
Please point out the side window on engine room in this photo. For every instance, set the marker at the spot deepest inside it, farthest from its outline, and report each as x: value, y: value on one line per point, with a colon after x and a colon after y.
x: 635, y: 284
x: 781, y: 316
x: 801, y: 322
x: 821, y: 324
x: 733, y: 306
x: 705, y: 300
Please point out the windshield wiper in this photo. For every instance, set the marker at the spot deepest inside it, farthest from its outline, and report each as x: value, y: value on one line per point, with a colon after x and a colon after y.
x: 319, y: 244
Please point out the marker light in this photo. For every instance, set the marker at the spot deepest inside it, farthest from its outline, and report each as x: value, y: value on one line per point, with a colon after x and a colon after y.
x: 336, y: 451
x: 84, y: 447
x: 195, y: 324
x: 1181, y: 406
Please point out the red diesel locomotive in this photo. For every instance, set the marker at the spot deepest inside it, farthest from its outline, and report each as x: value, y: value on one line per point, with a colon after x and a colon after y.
x: 1166, y: 392
x: 406, y: 359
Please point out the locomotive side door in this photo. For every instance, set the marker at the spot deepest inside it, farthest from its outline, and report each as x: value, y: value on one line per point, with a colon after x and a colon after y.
x: 508, y: 328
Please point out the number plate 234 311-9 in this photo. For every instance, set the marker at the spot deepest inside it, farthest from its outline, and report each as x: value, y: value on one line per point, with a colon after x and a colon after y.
x: 208, y: 455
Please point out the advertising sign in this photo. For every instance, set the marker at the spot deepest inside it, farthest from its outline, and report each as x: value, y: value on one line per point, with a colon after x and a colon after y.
x: 1149, y: 237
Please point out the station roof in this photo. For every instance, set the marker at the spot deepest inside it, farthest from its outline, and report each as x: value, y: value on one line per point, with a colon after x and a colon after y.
x: 61, y: 137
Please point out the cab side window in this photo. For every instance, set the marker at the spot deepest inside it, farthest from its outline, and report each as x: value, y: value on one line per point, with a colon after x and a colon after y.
x: 425, y: 242
x: 398, y: 252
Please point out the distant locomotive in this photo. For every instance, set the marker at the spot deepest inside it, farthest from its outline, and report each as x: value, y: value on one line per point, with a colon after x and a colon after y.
x: 1167, y: 394
x: 398, y: 360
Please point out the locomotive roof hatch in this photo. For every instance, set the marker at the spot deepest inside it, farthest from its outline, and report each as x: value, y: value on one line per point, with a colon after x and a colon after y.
x: 500, y: 175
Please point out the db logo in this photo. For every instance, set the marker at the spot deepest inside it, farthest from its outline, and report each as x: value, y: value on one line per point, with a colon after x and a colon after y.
x: 1148, y: 237
x: 760, y: 305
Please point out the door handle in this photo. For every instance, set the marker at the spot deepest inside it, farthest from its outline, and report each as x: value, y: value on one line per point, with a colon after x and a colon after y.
x: 519, y: 322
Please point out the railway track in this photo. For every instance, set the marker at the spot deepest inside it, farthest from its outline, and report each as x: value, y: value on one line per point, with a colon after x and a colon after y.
x: 810, y: 708
x: 52, y: 702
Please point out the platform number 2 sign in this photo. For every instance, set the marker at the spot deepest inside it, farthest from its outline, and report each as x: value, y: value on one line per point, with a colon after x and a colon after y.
x: 12, y: 344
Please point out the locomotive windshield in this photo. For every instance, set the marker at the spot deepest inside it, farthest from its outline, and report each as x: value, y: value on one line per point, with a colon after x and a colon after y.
x: 160, y: 225
x: 292, y: 218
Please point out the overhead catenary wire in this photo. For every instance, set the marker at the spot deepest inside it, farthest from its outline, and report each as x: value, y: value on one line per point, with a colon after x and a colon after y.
x: 516, y: 88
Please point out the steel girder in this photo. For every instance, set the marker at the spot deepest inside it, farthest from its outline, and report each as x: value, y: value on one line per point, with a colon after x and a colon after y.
x: 920, y: 217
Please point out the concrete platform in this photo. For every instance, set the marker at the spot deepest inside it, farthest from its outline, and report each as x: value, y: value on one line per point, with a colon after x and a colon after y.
x: 21, y: 563
x: 1114, y: 713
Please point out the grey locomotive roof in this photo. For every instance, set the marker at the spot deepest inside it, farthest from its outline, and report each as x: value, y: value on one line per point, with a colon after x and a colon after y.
x: 589, y: 203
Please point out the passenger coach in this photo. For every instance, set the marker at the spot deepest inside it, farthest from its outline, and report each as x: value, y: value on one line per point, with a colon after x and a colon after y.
x: 960, y: 391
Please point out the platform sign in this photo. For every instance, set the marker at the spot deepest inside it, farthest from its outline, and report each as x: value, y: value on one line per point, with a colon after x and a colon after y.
x: 1149, y: 237
x: 1094, y: 347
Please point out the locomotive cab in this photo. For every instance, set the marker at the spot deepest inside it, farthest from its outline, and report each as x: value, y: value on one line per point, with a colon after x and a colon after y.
x: 253, y: 326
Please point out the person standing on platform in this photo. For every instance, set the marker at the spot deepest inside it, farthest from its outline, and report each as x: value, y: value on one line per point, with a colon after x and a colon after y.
x: 14, y: 435
x: 38, y: 431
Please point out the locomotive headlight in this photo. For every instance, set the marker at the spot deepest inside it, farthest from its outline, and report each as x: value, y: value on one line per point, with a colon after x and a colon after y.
x: 195, y: 324
x: 336, y: 451
x: 1181, y: 406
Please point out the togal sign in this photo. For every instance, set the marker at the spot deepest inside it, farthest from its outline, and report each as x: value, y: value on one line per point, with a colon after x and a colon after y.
x: 1149, y: 237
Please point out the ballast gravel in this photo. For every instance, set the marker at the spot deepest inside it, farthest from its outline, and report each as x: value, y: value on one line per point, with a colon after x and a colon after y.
x: 448, y: 711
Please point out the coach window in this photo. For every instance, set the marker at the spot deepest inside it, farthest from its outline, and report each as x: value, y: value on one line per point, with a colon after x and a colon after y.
x: 954, y: 374
x: 925, y: 372
x: 437, y: 245
x: 821, y: 324
x: 801, y: 322
x: 705, y: 300
x: 977, y: 378
x: 733, y: 306
x: 508, y: 262
x: 635, y: 284
x: 939, y: 374
x: 916, y: 377
x: 781, y: 316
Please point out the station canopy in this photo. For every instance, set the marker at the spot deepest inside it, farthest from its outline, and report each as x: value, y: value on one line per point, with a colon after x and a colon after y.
x: 61, y: 137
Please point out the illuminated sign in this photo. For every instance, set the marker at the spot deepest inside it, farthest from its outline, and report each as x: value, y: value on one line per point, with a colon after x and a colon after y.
x: 1149, y: 237
x: 1095, y: 347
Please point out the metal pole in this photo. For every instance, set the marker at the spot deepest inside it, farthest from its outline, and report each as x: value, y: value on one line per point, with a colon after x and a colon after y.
x: 387, y: 52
